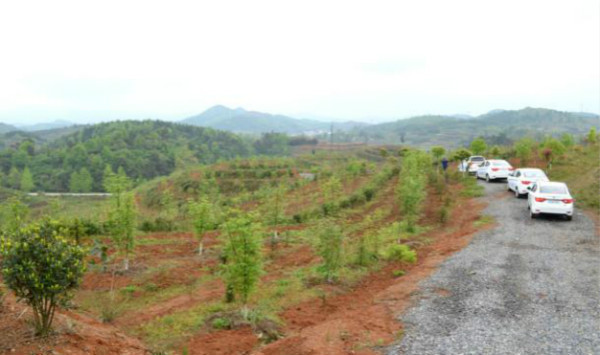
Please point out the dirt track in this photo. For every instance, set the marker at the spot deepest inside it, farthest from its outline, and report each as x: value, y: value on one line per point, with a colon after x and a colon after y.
x: 523, y: 287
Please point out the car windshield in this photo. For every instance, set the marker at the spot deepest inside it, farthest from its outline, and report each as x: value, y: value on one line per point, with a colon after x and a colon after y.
x: 500, y: 163
x: 553, y: 189
x: 533, y: 173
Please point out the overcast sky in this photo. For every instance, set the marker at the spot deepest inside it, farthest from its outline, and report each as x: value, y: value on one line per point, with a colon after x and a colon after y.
x: 370, y: 60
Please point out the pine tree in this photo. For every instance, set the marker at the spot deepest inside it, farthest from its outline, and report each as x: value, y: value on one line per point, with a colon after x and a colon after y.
x: 74, y: 182
x: 26, y: 182
x: 330, y: 250
x: 14, y: 178
x: 85, y: 180
x: 243, y: 254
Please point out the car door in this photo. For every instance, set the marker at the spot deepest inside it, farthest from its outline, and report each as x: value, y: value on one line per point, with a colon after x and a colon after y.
x: 483, y: 170
x: 531, y: 194
x: 512, y: 179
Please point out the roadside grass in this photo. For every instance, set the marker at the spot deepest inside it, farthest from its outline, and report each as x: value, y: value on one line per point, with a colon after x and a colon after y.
x: 580, y: 169
x: 471, y: 187
x: 484, y: 220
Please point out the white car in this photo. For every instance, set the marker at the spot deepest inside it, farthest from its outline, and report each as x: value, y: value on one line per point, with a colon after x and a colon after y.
x: 472, y: 164
x: 550, y: 197
x: 494, y: 169
x: 520, y: 179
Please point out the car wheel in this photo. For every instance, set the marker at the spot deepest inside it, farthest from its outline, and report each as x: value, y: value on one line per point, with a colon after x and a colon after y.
x: 517, y: 194
x: 487, y: 178
x: 569, y: 218
x: 532, y: 215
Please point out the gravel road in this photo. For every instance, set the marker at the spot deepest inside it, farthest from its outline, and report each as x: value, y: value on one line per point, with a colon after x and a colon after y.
x: 524, y: 287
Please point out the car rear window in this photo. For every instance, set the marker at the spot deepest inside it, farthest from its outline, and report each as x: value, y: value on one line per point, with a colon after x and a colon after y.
x: 499, y: 163
x: 477, y: 159
x: 533, y: 174
x: 553, y: 189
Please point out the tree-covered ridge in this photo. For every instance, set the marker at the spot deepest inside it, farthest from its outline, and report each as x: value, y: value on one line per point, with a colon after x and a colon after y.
x: 499, y: 127
x: 144, y: 149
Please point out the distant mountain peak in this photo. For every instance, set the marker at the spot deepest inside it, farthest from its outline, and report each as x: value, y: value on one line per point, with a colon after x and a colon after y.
x: 245, y: 121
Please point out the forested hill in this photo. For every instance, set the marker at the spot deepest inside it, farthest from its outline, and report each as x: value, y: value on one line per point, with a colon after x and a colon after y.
x: 144, y: 149
x: 6, y: 128
x: 243, y: 121
x: 498, y: 127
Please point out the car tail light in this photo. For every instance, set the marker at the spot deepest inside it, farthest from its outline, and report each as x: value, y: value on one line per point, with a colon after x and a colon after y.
x: 525, y: 182
x: 540, y: 199
x: 495, y: 169
x: 568, y: 200
x: 511, y: 168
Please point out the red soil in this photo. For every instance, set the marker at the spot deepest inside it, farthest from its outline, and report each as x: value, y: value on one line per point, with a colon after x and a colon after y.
x: 239, y: 341
x: 355, y: 321
x: 74, y: 334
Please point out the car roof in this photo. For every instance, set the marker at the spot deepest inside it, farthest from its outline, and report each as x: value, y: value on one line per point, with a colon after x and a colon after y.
x: 497, y: 160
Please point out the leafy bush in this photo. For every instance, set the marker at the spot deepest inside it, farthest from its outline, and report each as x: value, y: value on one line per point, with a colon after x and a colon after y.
x: 159, y: 224
x: 369, y: 192
x: 42, y: 267
x: 401, y: 252
x: 398, y: 273
x: 221, y: 323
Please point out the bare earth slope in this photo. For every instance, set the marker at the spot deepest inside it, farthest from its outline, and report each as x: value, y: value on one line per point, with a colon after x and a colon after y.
x: 523, y: 287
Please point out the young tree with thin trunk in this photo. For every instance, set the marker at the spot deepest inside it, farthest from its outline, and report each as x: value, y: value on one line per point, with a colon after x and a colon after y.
x: 478, y: 146
x: 243, y: 255
x: 330, y: 249
x: 438, y: 152
x: 123, y: 218
x: 202, y: 216
x: 411, y: 186
x: 122, y: 215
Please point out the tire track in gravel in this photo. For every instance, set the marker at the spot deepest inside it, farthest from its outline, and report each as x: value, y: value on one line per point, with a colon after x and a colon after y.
x: 523, y: 287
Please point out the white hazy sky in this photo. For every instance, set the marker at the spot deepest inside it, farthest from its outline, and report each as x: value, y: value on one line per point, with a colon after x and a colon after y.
x: 371, y: 60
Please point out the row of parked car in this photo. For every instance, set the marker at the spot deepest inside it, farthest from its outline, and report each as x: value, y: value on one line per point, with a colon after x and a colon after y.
x: 543, y: 196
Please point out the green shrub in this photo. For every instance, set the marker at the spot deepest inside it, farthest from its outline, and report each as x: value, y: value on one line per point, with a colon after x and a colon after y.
x: 159, y: 224
x: 297, y: 218
x: 151, y: 287
x: 398, y: 273
x: 43, y: 268
x: 369, y: 192
x: 401, y: 252
x: 129, y: 289
x: 444, y: 214
x: 221, y: 323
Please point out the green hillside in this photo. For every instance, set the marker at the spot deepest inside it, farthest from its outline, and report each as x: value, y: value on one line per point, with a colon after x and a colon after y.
x: 144, y: 149
x: 498, y: 127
